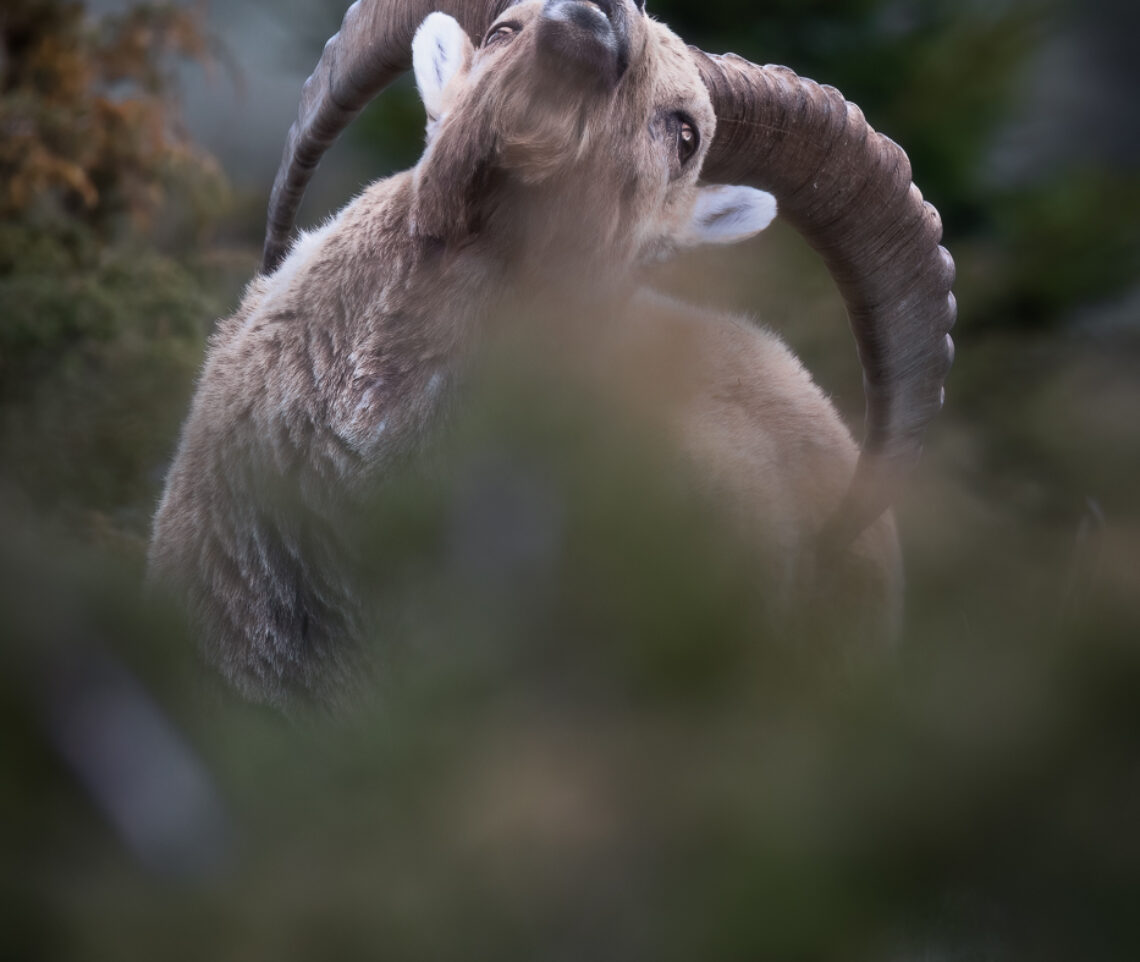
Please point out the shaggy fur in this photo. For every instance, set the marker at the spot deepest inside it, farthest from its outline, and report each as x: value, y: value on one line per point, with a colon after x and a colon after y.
x: 337, y: 365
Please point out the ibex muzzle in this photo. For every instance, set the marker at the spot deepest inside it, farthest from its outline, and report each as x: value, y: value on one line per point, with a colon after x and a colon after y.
x: 590, y: 37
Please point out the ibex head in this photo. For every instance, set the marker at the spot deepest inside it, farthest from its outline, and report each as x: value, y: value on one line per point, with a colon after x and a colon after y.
x: 610, y: 108
x: 574, y: 131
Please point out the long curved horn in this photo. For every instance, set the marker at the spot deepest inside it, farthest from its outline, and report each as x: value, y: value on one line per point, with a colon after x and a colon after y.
x: 372, y: 48
x: 849, y: 191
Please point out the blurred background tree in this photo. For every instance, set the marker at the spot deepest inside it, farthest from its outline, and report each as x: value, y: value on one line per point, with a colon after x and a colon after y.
x: 593, y: 756
x: 106, y: 208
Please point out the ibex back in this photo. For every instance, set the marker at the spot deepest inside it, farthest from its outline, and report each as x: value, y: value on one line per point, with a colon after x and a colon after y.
x: 562, y: 152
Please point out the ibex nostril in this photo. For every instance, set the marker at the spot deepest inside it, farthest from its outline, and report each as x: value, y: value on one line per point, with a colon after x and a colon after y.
x: 607, y: 8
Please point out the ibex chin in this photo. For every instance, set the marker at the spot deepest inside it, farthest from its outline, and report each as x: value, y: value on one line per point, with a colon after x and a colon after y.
x: 572, y: 141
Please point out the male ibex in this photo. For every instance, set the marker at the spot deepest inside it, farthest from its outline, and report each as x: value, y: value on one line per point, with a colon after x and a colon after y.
x: 567, y: 146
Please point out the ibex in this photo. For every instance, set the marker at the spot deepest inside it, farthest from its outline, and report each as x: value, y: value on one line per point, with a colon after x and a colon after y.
x: 576, y: 140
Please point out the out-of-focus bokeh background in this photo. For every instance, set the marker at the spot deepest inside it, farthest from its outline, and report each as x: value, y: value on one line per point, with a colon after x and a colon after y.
x: 580, y: 748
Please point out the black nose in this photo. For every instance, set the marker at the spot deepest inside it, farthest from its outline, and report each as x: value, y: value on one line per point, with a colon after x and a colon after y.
x: 583, y: 12
x: 592, y: 33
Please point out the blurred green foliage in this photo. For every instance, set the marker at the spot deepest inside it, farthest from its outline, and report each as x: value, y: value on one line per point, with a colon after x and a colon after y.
x: 106, y: 209
x: 593, y: 754
x: 590, y: 752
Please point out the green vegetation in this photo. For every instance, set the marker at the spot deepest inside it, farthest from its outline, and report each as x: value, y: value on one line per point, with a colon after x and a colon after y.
x: 107, y: 279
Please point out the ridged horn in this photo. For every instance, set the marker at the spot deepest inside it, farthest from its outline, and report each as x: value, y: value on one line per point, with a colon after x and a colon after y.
x: 849, y: 191
x: 372, y: 48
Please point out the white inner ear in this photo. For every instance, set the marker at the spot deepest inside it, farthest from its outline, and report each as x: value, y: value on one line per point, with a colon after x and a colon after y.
x: 726, y: 214
x: 440, y: 50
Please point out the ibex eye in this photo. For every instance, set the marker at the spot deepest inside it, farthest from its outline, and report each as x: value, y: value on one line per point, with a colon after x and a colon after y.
x: 687, y: 140
x: 500, y: 32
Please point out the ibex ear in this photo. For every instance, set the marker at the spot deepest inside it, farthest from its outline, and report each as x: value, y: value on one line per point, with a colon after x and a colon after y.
x: 724, y: 215
x: 440, y: 50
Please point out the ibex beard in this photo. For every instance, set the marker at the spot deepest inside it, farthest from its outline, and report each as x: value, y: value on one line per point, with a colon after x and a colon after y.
x: 562, y: 152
